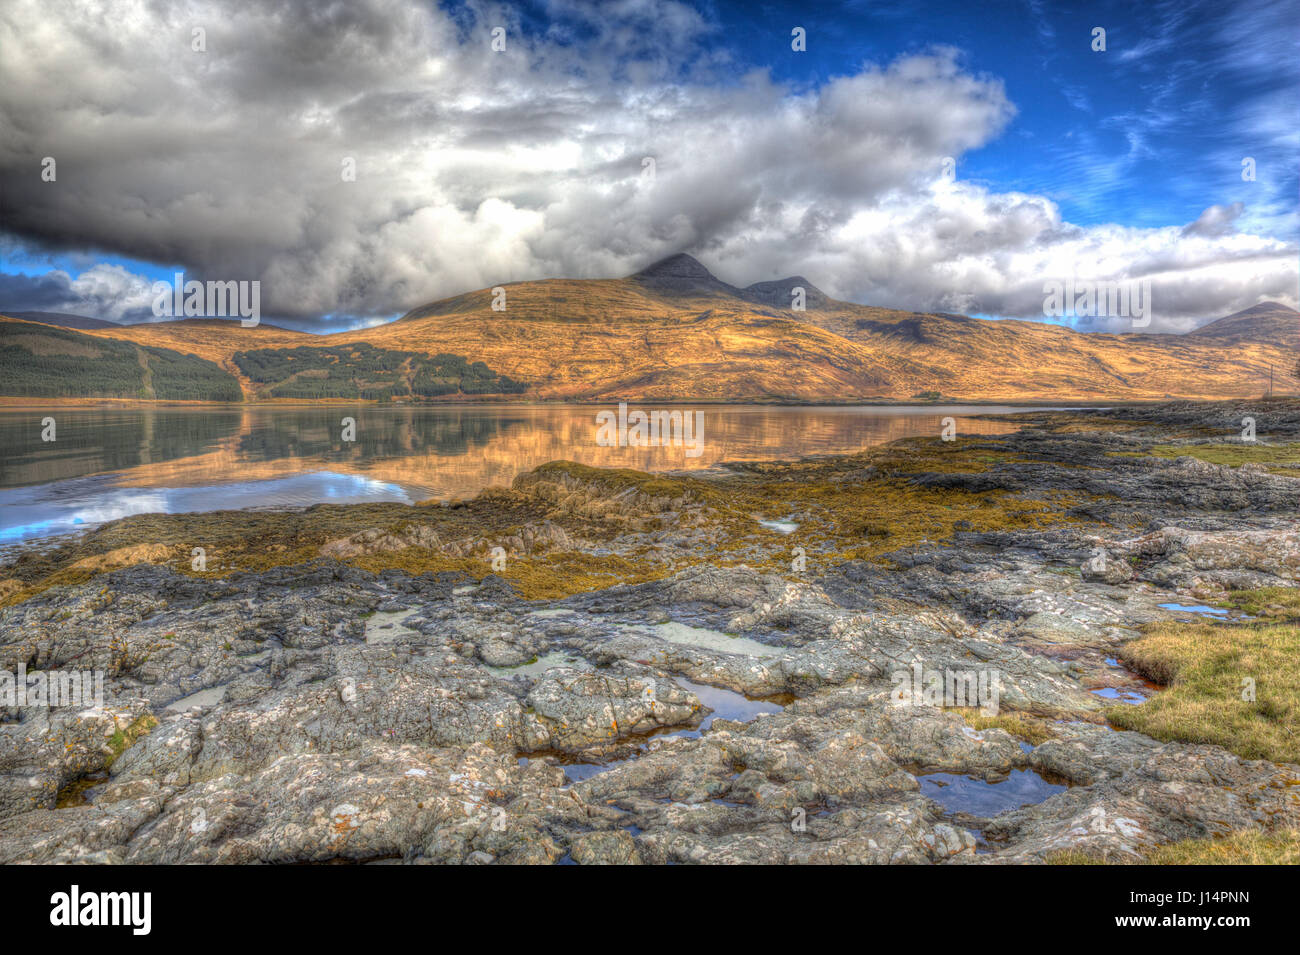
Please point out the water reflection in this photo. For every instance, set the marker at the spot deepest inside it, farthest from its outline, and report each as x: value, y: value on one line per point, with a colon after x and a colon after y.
x: 108, y: 463
x: 970, y: 794
x: 49, y: 510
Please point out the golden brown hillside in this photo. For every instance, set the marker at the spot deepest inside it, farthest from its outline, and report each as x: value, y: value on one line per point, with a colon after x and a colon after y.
x: 675, y: 332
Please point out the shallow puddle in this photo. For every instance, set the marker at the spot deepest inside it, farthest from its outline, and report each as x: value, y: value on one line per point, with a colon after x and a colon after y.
x: 551, y: 612
x: 726, y: 704
x: 577, y: 772
x: 730, y: 705
x: 1131, y: 697
x: 535, y: 667
x: 387, y: 627
x: 970, y: 794
x: 707, y: 639
x: 80, y: 792
x: 781, y: 527
x: 205, y: 698
x: 1201, y: 610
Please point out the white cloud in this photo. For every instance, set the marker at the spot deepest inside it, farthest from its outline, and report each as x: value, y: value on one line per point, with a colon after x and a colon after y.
x: 475, y: 168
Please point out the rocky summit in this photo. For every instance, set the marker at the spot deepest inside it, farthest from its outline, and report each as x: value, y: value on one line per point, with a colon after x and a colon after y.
x: 612, y: 667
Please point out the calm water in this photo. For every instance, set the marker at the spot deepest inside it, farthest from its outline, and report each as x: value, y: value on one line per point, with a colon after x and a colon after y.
x: 113, y: 462
x: 1023, y: 787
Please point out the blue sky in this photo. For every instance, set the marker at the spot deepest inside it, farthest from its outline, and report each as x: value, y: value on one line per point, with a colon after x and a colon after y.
x: 518, y: 166
x: 1147, y: 133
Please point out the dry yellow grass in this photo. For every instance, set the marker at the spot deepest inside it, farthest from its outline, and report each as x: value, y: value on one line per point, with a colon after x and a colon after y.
x: 1245, y: 847
x: 1028, y: 728
x: 1237, y: 686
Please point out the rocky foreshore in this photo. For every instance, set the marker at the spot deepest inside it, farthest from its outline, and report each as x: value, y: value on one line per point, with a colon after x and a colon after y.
x: 608, y: 667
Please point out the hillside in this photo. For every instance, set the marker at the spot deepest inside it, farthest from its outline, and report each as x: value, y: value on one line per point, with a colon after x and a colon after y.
x: 262, y: 362
x: 676, y: 332
x: 610, y: 338
x: 361, y: 370
x: 215, y: 340
x: 43, y: 361
x: 62, y: 319
x: 1267, y: 321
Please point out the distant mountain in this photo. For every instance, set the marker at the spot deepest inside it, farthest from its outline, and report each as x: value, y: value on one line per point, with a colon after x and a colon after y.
x: 61, y: 319
x: 780, y: 293
x: 1267, y: 321
x: 674, y: 331
x: 681, y: 275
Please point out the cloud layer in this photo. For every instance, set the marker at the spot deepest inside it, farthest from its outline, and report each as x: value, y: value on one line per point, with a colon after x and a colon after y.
x: 476, y: 167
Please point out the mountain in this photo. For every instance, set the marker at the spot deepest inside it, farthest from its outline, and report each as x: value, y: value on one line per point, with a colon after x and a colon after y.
x: 61, y: 319
x: 674, y: 331
x: 679, y: 276
x: 1267, y: 321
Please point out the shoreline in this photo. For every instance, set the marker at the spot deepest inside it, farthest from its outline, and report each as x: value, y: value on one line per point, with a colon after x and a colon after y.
x: 660, y: 667
x: 23, y: 404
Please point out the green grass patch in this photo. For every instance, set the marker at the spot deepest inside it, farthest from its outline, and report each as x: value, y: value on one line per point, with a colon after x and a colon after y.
x: 1212, y: 672
x: 1271, y: 603
x: 360, y: 370
x: 124, y: 738
x: 40, y: 361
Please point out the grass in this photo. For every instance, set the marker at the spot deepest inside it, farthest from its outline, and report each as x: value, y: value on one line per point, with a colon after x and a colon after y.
x: 1271, y: 603
x: 619, y: 479
x: 1031, y: 730
x: 1208, y: 669
x: 253, y: 540
x: 1233, y: 454
x: 124, y: 739
x: 865, y: 506
x: 869, y: 520
x: 1244, y: 847
x: 1079, y: 423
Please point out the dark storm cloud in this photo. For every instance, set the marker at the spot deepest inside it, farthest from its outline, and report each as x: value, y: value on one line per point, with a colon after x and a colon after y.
x: 34, y: 292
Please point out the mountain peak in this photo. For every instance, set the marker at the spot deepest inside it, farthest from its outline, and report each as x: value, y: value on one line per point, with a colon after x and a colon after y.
x: 777, y: 293
x: 681, y: 274
x: 1265, y: 322
x: 679, y: 266
x: 1263, y: 308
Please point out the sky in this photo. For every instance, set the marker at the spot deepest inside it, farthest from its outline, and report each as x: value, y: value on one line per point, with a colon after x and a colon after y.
x: 929, y: 156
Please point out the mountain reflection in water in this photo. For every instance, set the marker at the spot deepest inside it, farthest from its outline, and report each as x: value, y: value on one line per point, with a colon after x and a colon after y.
x: 108, y: 463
